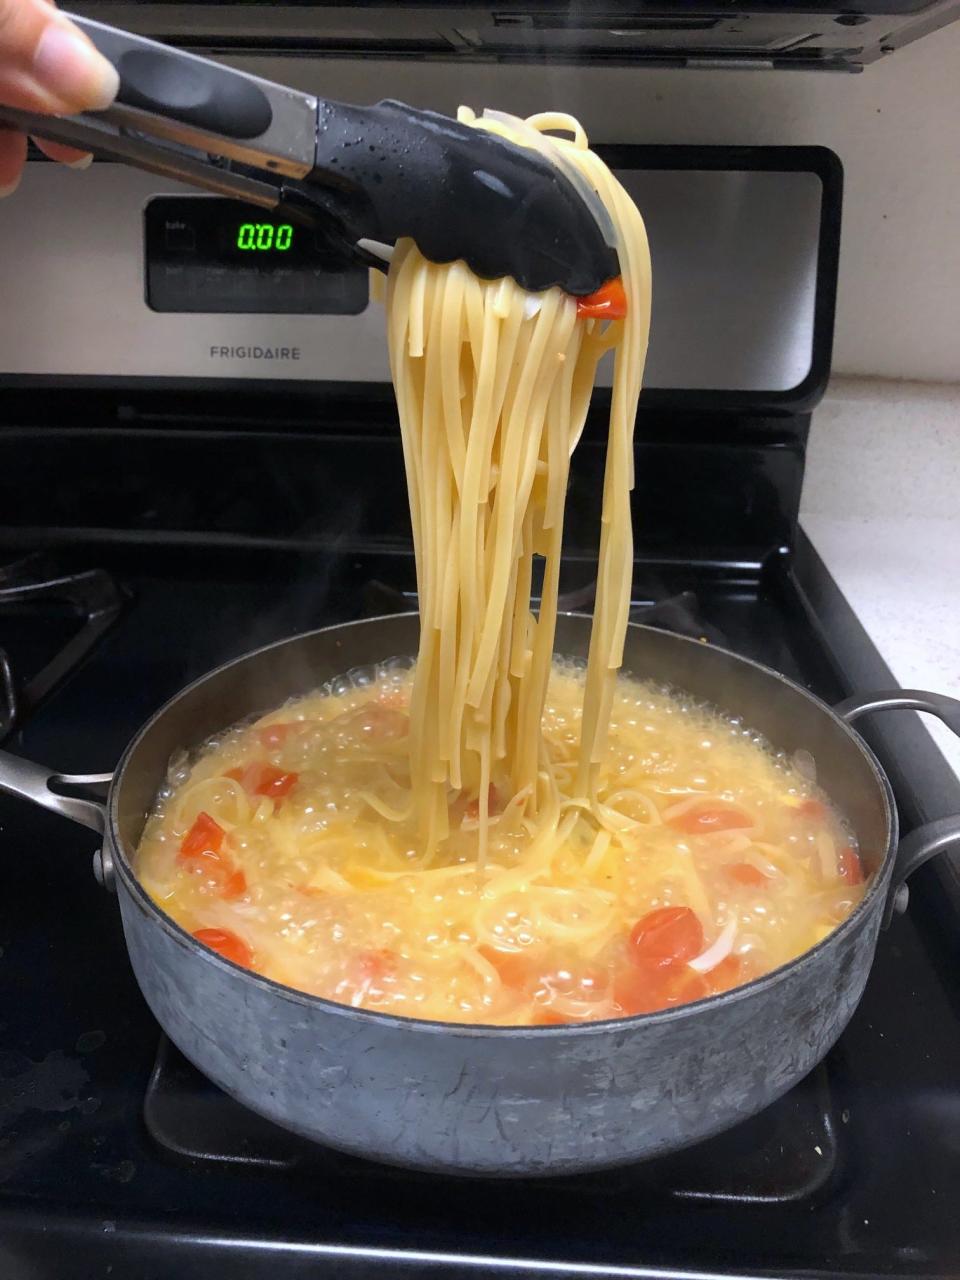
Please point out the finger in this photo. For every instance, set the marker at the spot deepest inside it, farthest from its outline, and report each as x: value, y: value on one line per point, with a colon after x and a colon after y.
x: 13, y: 153
x: 49, y: 64
x: 65, y: 155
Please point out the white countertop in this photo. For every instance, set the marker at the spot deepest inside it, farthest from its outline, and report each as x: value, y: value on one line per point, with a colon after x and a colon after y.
x: 881, y: 504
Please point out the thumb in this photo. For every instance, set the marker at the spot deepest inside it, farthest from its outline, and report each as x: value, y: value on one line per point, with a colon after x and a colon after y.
x: 47, y: 64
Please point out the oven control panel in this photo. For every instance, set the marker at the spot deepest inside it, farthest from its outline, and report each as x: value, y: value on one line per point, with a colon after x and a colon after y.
x: 118, y: 273
x: 113, y: 273
x: 215, y: 256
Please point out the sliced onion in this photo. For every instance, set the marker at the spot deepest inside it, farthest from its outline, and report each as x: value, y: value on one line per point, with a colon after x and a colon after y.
x: 377, y: 248
x: 571, y: 914
x: 805, y: 764
x: 718, y: 950
x: 582, y: 1010
x: 487, y: 972
x: 827, y: 853
x: 727, y: 842
x: 704, y: 800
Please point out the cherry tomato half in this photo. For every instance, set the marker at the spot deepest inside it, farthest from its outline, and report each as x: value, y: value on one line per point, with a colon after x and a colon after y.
x: 259, y: 779
x: 201, y: 852
x: 724, y: 976
x: 851, y: 868
x: 226, y: 944
x: 746, y: 873
x: 608, y: 303
x: 273, y: 736
x: 205, y: 836
x: 647, y: 989
x: 667, y: 936
x: 702, y: 820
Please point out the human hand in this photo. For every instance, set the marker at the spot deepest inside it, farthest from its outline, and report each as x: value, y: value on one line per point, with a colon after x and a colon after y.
x: 48, y: 65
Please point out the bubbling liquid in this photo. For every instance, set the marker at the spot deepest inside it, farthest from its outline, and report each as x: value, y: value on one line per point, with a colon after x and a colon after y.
x: 705, y: 860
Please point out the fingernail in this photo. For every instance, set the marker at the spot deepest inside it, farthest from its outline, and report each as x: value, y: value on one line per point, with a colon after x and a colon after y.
x: 83, y: 163
x: 68, y: 66
x: 9, y: 188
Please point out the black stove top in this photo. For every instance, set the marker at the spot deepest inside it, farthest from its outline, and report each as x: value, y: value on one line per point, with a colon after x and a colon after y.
x: 168, y: 526
x: 117, y: 1158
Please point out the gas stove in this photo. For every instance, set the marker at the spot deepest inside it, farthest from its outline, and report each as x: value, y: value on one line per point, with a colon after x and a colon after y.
x: 159, y: 516
x: 115, y: 1153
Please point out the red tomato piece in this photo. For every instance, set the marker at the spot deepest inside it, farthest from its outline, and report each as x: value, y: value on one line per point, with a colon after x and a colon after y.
x: 374, y: 965
x: 811, y: 808
x: 273, y: 736
x: 608, y: 303
x: 746, y: 873
x: 640, y: 989
x: 667, y: 936
x: 725, y: 975
x: 260, y: 779
x: 234, y: 885
x: 201, y: 852
x: 702, y: 820
x: 275, y: 782
x: 851, y: 868
x: 205, y: 836
x: 686, y: 985
x: 547, y: 1018
x: 517, y: 969
x: 637, y: 990
x: 646, y: 989
x: 226, y: 944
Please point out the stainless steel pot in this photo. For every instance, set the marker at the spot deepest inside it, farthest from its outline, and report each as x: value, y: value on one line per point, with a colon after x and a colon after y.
x: 500, y: 1100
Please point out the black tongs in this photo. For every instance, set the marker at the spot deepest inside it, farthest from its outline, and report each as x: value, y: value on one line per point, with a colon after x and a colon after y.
x: 364, y: 175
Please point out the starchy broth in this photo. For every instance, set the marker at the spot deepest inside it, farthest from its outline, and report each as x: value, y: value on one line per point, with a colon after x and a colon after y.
x: 705, y: 860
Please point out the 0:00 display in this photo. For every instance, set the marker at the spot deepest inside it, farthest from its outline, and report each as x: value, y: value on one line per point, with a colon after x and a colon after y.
x: 264, y: 236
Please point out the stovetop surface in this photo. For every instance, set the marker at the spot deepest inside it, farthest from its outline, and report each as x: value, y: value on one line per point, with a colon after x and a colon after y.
x: 866, y: 1180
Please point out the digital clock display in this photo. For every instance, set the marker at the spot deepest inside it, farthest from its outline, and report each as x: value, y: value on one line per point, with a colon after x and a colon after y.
x: 265, y: 237
x: 215, y: 255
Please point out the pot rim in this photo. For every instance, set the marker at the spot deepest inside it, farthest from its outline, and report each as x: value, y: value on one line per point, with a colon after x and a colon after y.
x: 870, y: 901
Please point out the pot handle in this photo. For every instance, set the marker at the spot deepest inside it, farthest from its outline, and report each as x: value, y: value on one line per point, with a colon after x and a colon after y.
x: 33, y: 782
x: 933, y: 837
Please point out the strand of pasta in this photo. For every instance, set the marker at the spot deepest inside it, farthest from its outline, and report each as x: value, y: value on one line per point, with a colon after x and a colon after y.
x: 493, y: 387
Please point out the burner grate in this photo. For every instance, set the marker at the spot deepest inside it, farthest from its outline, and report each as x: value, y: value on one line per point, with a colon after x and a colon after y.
x: 35, y: 585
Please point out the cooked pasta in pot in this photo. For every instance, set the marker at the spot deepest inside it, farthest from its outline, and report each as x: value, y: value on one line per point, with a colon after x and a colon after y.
x: 703, y: 860
x: 491, y: 837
